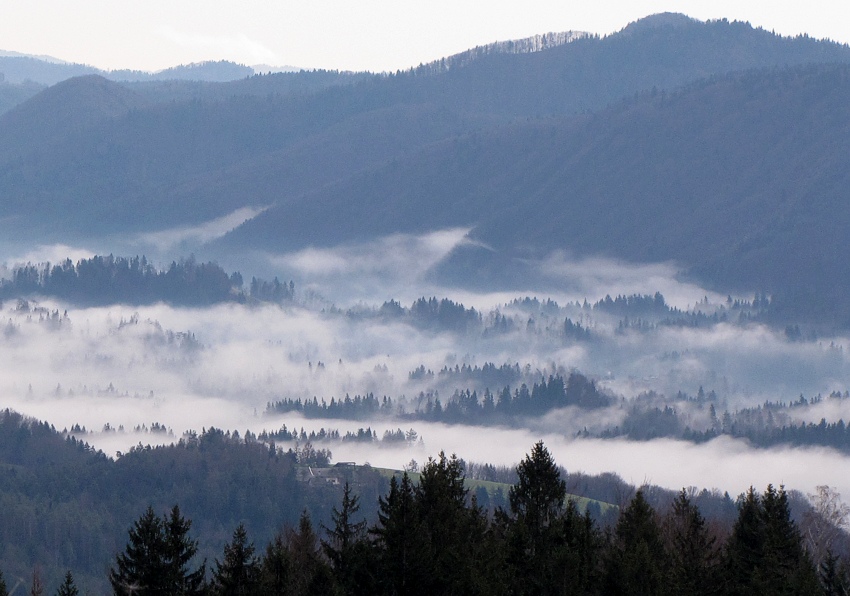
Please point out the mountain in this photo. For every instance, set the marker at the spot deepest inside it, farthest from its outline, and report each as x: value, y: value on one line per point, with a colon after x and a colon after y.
x: 639, y: 145
x: 160, y: 164
x: 742, y: 179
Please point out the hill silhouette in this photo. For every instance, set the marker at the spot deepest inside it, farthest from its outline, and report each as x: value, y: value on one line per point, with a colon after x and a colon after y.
x: 638, y: 145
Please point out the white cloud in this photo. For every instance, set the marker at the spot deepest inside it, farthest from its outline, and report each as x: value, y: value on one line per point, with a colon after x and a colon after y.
x: 165, y: 240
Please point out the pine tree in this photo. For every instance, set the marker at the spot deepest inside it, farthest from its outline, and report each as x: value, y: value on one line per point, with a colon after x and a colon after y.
x: 534, y: 531
x: 636, y: 564
x: 4, y: 591
x: 345, y: 548
x: 537, y: 499
x: 180, y: 549
x: 310, y: 573
x: 400, y: 542
x: 156, y: 558
x: 276, y: 568
x: 765, y: 553
x: 68, y: 588
x: 238, y: 573
x: 140, y: 568
x: 691, y: 550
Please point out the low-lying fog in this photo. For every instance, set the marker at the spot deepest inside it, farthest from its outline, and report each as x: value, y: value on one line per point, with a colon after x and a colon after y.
x: 194, y: 368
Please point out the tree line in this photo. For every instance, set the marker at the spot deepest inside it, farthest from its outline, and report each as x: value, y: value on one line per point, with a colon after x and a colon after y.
x: 463, y: 406
x: 134, y: 280
x: 431, y: 537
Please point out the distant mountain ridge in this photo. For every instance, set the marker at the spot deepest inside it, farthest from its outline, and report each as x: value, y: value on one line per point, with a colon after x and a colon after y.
x: 635, y: 145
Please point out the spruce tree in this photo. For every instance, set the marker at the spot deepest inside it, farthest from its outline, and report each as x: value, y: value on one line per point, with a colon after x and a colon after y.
x: 238, y: 573
x: 346, y: 549
x: 787, y: 567
x: 156, y: 558
x: 310, y: 573
x: 68, y: 588
x: 765, y: 553
x: 744, y: 549
x: 537, y: 499
x: 140, y: 569
x: 400, y: 542
x: 534, y: 531
x: 180, y: 549
x: 276, y: 568
x: 636, y: 563
x: 833, y: 576
x: 692, y: 551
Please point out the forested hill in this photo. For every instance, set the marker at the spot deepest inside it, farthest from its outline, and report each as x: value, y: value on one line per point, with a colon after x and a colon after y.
x: 742, y: 179
x: 178, y: 156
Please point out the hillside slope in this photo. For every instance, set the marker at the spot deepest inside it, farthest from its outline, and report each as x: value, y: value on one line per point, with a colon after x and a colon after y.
x: 183, y: 161
x: 742, y: 179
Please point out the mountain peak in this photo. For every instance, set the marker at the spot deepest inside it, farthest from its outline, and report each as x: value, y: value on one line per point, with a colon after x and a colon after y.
x: 662, y: 20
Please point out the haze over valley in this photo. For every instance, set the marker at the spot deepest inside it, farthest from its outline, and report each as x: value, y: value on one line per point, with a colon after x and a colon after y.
x: 628, y: 246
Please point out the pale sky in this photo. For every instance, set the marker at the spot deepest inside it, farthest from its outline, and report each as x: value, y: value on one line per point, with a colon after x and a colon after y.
x: 373, y: 35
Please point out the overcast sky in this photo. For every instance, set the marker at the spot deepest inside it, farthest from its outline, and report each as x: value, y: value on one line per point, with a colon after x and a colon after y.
x: 348, y: 34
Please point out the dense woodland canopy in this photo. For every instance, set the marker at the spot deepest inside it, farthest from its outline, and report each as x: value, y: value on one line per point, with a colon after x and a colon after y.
x: 104, y: 280
x: 430, y: 535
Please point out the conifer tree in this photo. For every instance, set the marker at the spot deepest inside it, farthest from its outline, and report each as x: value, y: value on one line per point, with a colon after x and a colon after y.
x: 765, y: 551
x: 692, y: 550
x: 180, y: 549
x: 276, y: 568
x: 310, y: 573
x: 537, y: 499
x: 345, y: 548
x: 787, y: 567
x: 68, y: 588
x: 4, y: 591
x: 636, y: 564
x: 534, y: 531
x: 156, y: 558
x: 833, y: 576
x: 238, y: 573
x: 400, y: 542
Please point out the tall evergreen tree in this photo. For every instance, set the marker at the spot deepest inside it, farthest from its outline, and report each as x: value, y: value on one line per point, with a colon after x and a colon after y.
x: 310, y: 572
x: 346, y: 548
x: 577, y: 553
x: 399, y: 539
x: 156, y: 558
x: 276, y: 568
x: 537, y: 499
x: 765, y: 553
x: 692, y: 551
x: 238, y: 572
x: 534, y: 530
x: 4, y: 591
x: 68, y: 588
x: 453, y: 530
x: 180, y: 549
x: 636, y: 563
x: 140, y: 568
x: 787, y: 567
x: 833, y: 576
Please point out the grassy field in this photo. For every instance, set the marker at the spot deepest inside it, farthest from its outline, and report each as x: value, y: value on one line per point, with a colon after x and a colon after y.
x: 494, y: 487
